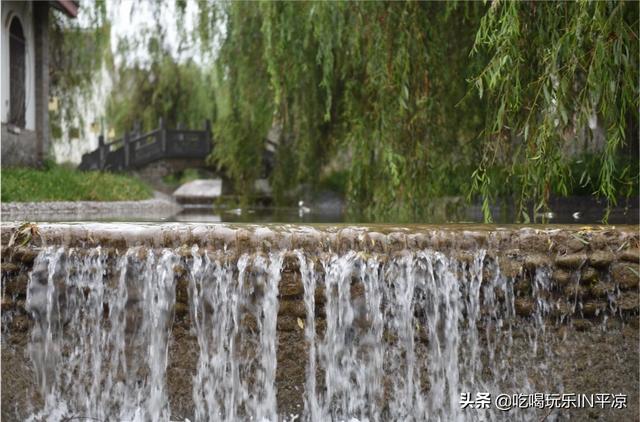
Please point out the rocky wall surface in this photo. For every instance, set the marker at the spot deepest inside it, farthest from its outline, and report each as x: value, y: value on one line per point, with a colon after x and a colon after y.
x: 591, y: 302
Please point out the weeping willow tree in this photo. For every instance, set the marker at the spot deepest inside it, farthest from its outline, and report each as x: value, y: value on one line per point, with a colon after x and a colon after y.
x: 78, y: 48
x: 421, y: 100
x: 553, y: 70
x: 179, y: 93
x: 362, y: 86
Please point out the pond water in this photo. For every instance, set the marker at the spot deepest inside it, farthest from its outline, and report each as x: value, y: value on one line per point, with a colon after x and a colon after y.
x: 564, y: 211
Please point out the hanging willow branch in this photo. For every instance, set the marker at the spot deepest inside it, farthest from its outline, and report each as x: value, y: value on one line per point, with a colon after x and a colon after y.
x: 556, y: 69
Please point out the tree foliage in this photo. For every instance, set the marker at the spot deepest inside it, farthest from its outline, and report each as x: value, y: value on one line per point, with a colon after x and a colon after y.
x: 179, y: 93
x: 77, y: 51
x: 555, y: 69
x: 421, y: 100
x: 411, y: 101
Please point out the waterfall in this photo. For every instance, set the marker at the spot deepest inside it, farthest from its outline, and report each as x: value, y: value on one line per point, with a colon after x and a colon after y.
x: 387, y: 337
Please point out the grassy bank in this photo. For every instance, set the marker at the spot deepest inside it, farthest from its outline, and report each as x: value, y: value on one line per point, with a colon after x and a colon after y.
x: 58, y: 183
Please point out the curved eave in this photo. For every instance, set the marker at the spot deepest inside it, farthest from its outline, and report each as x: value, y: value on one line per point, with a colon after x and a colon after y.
x: 68, y: 7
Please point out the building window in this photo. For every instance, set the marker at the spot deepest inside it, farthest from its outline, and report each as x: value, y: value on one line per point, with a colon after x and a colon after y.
x: 17, y: 74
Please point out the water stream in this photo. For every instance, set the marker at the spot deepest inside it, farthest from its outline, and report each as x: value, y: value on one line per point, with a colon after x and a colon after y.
x: 399, y: 337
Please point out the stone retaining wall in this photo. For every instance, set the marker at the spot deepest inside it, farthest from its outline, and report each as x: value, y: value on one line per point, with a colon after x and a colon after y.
x: 594, y: 283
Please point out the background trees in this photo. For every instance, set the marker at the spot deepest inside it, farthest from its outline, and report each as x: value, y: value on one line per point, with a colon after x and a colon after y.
x: 398, y: 104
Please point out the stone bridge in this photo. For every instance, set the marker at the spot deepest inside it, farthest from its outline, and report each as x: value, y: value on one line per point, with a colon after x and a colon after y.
x: 155, y: 154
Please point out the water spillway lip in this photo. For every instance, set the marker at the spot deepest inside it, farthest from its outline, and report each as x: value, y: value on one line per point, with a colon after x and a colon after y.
x: 561, y: 239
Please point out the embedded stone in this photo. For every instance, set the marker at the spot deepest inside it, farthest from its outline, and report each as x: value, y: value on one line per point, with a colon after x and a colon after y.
x: 510, y: 267
x: 582, y: 324
x: 593, y: 308
x: 602, y: 289
x: 626, y: 275
x: 182, y: 290
x: 181, y: 310
x: 292, y: 307
x: 534, y: 261
x: 601, y: 259
x: 522, y: 286
x: 357, y: 290
x: 25, y: 255
x: 287, y: 323
x: 179, y: 270
x: 16, y: 286
x: 575, y: 245
x: 628, y: 301
x: 290, y: 285
x: 630, y: 255
x: 572, y: 261
x: 524, y: 307
x: 561, y: 277
x: 249, y: 321
x: 574, y: 290
x: 8, y: 267
x: 560, y: 309
x: 589, y: 275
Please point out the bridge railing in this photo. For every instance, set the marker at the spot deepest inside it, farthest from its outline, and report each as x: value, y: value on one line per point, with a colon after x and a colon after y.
x: 135, y: 150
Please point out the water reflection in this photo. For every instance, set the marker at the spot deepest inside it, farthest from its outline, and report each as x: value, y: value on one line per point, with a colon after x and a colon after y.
x: 563, y: 211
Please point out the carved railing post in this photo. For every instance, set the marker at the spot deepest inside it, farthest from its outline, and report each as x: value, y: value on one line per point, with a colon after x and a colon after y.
x: 163, y: 136
x: 127, y: 150
x: 207, y: 135
x: 102, y: 148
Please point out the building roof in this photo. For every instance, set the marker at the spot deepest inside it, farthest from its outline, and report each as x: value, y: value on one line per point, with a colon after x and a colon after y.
x: 68, y: 7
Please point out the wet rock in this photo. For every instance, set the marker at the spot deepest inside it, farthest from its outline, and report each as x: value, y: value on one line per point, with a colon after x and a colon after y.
x: 561, y: 277
x: 582, y: 324
x: 534, y: 242
x: 630, y: 255
x: 589, y: 275
x: 182, y: 290
x: 25, y: 255
x: 628, y: 302
x: 533, y: 261
x: 185, y: 251
x: 626, y: 275
x: 571, y: 261
x: 181, y: 310
x: 601, y: 259
x: 8, y: 267
x: 602, y: 289
x: 510, y: 267
x: 560, y: 309
x: 524, y: 307
x: 575, y: 244
x: 290, y: 263
x: 522, y: 286
x: 574, y: 290
x: 593, y: 308
x: 319, y: 296
x: 293, y: 308
x: 249, y: 322
x: 179, y: 270
x: 287, y: 323
x: 290, y: 285
x: 17, y: 286
x: 357, y: 290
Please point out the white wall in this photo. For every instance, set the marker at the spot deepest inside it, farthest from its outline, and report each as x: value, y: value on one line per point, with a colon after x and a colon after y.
x: 24, y: 12
x: 93, y: 106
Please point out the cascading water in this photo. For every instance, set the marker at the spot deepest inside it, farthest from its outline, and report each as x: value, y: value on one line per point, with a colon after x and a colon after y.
x: 398, y: 337
x: 100, y: 341
x: 234, y: 309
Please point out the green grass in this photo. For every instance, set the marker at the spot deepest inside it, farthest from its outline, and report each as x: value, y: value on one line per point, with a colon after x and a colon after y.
x: 58, y: 183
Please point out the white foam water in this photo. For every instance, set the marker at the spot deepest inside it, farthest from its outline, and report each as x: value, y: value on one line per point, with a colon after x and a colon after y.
x: 99, y: 345
x: 393, y: 337
x: 235, y: 309
x: 406, y: 337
